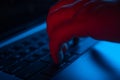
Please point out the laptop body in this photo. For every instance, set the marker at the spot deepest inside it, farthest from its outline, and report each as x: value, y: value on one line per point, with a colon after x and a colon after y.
x: 24, y: 51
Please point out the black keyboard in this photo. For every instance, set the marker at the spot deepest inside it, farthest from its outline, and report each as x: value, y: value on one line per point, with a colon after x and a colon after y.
x: 29, y: 58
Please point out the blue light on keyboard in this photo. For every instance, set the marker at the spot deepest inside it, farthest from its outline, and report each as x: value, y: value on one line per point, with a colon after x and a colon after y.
x: 25, y: 34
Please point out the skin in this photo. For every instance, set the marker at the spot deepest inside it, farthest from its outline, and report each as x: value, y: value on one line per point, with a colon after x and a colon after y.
x: 80, y: 18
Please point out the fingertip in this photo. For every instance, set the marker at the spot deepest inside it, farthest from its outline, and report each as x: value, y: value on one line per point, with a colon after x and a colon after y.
x: 55, y: 59
x: 53, y: 51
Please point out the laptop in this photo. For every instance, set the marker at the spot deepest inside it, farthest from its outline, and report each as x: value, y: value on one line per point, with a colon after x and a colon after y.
x: 24, y: 49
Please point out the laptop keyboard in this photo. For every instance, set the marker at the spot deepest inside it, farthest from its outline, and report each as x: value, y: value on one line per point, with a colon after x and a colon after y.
x: 29, y: 59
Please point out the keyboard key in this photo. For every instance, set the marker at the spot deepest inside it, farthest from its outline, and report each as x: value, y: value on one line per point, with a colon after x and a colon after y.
x: 32, y: 48
x: 67, y: 56
x: 15, y: 67
x: 45, y: 49
x: 24, y: 53
x: 2, y: 56
x: 43, y: 35
x: 26, y: 43
x: 39, y: 76
x: 41, y: 43
x: 6, y: 53
x: 35, y: 38
x: 50, y: 70
x: 31, y: 69
x: 11, y: 60
x: 7, y: 62
x: 15, y: 57
x: 17, y: 47
x: 39, y: 54
x: 31, y: 59
x: 47, y: 59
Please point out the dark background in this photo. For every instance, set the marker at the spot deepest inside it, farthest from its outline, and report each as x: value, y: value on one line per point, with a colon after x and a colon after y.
x: 17, y: 15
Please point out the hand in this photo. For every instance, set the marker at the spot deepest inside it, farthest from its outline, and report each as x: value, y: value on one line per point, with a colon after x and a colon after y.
x: 78, y: 18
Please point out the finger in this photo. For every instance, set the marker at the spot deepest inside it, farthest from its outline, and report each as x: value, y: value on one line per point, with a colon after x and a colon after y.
x: 91, y: 6
x: 79, y: 4
x: 54, y: 19
x: 62, y: 35
x: 74, y: 5
x: 60, y: 3
x: 63, y: 15
x: 58, y: 37
x: 58, y: 18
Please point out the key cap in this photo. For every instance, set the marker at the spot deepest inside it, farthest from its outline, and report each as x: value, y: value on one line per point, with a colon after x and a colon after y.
x: 39, y: 54
x: 12, y: 60
x: 35, y: 38
x: 15, y: 67
x: 6, y: 53
x: 47, y: 59
x: 26, y: 43
x: 45, y: 49
x: 6, y: 62
x: 31, y: 69
x: 39, y: 76
x: 32, y: 48
x: 50, y: 70
x: 31, y: 59
x: 17, y: 47
x: 24, y: 53
x: 41, y: 43
x: 2, y: 56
